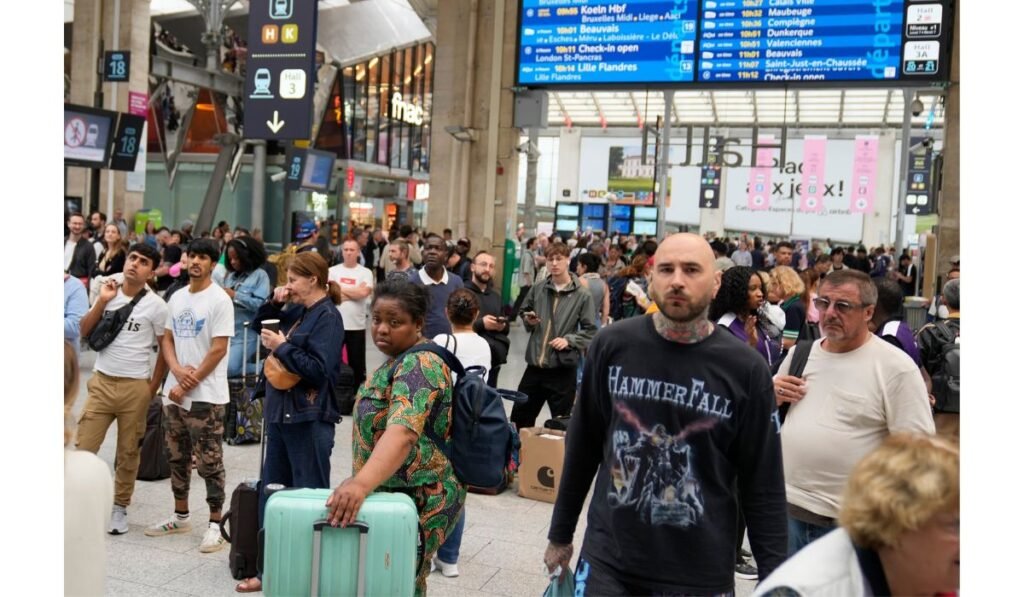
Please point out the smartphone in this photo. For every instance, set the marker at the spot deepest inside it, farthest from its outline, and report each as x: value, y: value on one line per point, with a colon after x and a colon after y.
x: 501, y: 319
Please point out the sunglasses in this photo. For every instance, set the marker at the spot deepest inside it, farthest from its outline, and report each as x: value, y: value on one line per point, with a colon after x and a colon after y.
x: 822, y: 304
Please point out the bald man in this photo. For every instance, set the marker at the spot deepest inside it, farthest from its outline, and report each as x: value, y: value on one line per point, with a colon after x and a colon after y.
x: 674, y: 414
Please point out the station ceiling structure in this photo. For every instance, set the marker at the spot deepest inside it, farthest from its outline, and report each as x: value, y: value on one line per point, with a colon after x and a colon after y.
x: 804, y: 108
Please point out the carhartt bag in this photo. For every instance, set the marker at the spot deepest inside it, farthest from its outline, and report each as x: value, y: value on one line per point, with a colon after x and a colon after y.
x: 111, y: 323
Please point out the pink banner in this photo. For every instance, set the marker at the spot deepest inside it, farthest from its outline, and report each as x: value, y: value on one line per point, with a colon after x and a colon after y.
x: 138, y: 103
x: 759, y: 189
x: 811, y: 199
x: 865, y: 165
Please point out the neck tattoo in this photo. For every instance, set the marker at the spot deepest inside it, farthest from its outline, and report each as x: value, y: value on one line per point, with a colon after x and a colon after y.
x: 687, y: 332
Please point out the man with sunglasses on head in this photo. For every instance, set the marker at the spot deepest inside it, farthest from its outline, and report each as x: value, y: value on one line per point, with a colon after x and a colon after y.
x: 855, y: 390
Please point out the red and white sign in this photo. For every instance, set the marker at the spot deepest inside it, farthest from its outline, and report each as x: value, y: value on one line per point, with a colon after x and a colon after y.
x: 812, y: 186
x: 759, y: 187
x: 865, y: 167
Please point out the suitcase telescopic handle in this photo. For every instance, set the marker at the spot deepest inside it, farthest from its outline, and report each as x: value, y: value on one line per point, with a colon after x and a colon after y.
x: 318, y: 527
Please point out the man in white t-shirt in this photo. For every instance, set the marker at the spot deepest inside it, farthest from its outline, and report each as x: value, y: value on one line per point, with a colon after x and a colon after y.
x: 356, y: 284
x: 123, y: 382
x: 201, y: 321
x: 856, y: 389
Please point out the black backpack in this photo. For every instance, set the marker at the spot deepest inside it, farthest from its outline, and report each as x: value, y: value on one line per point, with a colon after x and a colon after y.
x: 946, y: 367
x: 483, y: 440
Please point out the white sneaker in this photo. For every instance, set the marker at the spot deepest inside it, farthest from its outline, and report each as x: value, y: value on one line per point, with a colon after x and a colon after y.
x: 212, y: 540
x: 118, y: 520
x: 169, y: 527
x: 447, y: 570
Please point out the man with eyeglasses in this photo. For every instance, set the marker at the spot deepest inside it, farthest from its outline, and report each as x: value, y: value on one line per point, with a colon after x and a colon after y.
x: 855, y: 390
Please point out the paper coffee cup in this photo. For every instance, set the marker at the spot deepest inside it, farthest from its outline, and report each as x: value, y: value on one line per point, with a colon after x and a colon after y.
x: 273, y: 325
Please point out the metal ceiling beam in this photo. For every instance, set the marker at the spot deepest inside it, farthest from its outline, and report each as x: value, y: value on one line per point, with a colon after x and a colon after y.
x: 842, y: 104
x: 636, y: 110
x: 600, y: 112
x: 561, y: 107
x: 714, y: 108
x: 753, y: 95
x: 184, y: 72
x: 888, y: 104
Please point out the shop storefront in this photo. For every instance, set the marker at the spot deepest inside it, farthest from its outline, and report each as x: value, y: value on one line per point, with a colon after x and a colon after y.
x: 378, y: 124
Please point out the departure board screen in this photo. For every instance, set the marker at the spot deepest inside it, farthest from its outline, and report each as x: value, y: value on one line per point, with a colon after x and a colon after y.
x: 707, y: 43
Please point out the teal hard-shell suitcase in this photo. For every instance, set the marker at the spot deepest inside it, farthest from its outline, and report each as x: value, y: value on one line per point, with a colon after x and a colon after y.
x: 304, y: 555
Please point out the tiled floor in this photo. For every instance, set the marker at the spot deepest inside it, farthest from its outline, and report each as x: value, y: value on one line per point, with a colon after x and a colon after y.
x: 502, y: 547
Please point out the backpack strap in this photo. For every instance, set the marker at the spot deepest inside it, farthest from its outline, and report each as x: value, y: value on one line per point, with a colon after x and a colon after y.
x: 801, y: 352
x: 448, y: 358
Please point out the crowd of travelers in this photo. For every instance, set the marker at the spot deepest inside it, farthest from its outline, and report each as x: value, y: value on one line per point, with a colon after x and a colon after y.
x: 718, y: 394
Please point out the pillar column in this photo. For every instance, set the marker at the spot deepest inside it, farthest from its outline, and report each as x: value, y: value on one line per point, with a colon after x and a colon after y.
x: 488, y: 177
x: 949, y: 200
x: 95, y: 21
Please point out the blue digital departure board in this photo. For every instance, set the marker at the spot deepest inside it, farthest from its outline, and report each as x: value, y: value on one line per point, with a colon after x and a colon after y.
x: 708, y: 43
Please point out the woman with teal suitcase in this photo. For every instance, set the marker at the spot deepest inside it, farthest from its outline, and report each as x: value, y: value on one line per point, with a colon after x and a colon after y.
x: 391, y: 450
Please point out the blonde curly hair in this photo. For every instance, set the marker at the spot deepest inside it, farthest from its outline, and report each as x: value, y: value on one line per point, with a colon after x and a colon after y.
x: 899, y: 488
x: 787, y: 280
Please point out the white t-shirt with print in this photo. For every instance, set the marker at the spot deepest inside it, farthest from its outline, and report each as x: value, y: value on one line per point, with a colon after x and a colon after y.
x: 129, y: 354
x: 196, y: 319
x: 469, y: 348
x: 353, y: 312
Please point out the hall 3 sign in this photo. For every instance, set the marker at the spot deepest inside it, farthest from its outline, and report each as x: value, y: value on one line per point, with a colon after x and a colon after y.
x: 404, y: 111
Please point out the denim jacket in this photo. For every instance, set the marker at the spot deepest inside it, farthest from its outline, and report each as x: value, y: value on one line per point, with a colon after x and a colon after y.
x: 313, y: 351
x: 251, y: 290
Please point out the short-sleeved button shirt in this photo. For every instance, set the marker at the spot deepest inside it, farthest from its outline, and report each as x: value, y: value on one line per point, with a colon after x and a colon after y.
x: 419, y: 395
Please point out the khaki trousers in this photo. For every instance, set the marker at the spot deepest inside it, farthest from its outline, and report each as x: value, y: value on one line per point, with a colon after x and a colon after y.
x: 125, y: 400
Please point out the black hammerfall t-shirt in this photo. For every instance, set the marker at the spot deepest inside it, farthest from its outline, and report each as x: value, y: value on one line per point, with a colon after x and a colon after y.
x: 671, y: 429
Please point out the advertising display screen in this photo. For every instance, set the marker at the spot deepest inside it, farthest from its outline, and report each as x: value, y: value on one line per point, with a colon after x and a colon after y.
x: 316, y: 173
x: 645, y: 228
x: 567, y: 210
x: 87, y: 136
x: 620, y: 226
x: 706, y: 43
x: 645, y: 213
x: 565, y: 225
x: 622, y: 212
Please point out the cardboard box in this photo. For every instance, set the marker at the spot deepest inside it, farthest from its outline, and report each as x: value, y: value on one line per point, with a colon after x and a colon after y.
x: 540, y: 463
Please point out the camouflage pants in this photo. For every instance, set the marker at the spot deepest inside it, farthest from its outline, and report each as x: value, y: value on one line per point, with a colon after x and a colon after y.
x: 202, y: 429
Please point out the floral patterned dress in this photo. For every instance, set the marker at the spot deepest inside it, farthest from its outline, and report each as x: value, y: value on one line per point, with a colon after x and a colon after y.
x: 419, y: 395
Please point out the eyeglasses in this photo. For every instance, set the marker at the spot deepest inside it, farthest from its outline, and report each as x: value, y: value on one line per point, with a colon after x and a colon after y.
x: 822, y: 304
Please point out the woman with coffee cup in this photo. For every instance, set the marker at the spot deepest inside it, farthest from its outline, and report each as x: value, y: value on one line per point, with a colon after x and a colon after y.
x: 302, y: 328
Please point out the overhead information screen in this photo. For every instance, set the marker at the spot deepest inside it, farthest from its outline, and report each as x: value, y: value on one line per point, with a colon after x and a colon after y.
x: 585, y: 42
x: 698, y: 43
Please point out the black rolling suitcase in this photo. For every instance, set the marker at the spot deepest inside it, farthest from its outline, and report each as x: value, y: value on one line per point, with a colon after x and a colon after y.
x: 243, y: 518
x: 245, y: 408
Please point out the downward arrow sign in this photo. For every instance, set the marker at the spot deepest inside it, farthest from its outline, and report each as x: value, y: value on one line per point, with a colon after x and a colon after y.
x: 276, y: 124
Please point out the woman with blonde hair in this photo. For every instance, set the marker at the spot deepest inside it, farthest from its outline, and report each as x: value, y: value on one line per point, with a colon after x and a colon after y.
x: 789, y: 287
x: 305, y: 338
x: 899, y: 528
x: 88, y: 496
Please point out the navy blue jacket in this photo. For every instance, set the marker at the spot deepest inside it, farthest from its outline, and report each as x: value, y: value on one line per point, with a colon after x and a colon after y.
x: 313, y: 351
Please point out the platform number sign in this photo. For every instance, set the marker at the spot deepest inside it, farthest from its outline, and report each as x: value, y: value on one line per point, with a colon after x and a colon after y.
x: 130, y: 128
x: 115, y: 66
